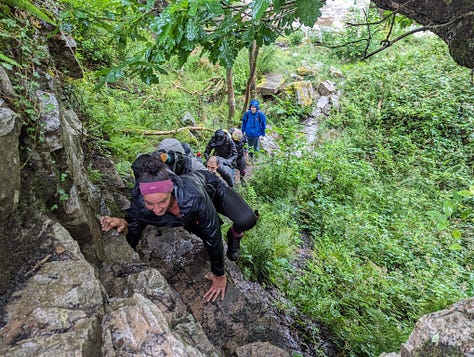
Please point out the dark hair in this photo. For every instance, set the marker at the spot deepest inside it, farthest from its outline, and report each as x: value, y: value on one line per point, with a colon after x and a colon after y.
x: 153, y: 170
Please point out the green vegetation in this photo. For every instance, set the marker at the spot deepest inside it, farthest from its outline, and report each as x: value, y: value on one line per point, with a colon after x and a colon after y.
x: 388, y: 201
x: 384, y: 200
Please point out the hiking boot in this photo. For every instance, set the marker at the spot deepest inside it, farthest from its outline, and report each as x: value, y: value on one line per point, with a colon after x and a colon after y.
x: 233, y: 244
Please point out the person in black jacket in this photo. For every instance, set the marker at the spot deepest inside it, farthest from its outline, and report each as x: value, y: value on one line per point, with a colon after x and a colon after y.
x: 192, y: 200
x: 223, y: 172
x: 223, y: 146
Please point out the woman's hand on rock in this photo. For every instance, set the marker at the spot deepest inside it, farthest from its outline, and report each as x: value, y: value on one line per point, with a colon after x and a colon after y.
x: 217, y: 288
x: 107, y: 223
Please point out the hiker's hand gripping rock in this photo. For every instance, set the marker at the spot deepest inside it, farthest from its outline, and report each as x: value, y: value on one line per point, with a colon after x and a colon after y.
x: 107, y: 223
x: 217, y: 288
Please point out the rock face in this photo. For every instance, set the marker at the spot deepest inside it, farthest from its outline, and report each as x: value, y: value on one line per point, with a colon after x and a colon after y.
x: 9, y: 162
x: 244, y: 316
x: 58, y: 310
x: 449, y: 332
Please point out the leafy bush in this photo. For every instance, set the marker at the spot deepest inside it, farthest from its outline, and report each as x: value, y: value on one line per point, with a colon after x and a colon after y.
x: 269, y: 248
x: 296, y: 38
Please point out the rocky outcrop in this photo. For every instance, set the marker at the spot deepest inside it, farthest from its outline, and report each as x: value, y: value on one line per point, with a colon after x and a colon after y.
x: 271, y: 84
x: 9, y: 162
x: 58, y: 311
x: 63, y: 48
x: 245, y: 316
x: 449, y: 332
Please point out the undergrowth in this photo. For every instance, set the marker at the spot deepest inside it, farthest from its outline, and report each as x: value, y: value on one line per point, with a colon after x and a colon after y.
x: 388, y: 201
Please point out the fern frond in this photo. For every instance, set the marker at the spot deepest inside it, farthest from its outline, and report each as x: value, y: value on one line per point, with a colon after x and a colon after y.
x: 8, y: 60
x: 30, y: 8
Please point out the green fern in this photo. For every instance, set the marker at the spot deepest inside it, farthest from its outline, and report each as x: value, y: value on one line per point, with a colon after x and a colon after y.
x: 30, y: 8
x: 8, y: 60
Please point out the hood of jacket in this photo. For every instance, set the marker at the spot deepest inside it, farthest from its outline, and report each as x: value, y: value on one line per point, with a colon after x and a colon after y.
x: 255, y: 103
x: 169, y: 144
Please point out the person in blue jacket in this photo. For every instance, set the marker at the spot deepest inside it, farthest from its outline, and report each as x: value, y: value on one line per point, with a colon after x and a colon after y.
x: 192, y: 200
x: 254, y: 124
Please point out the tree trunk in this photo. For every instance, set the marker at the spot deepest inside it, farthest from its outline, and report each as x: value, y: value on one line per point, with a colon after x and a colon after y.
x: 450, y: 20
x: 253, y: 56
x: 230, y: 94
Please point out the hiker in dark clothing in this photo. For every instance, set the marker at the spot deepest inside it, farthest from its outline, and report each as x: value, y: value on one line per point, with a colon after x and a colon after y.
x: 223, y: 146
x: 223, y: 172
x: 191, y: 200
x: 254, y: 124
x: 241, y: 144
x: 177, y: 159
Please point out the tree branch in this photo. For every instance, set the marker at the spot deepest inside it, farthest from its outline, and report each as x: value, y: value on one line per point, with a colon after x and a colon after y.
x: 163, y: 132
x: 388, y: 43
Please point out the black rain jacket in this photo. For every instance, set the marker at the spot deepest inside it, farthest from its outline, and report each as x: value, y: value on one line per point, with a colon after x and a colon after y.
x: 227, y: 150
x: 200, y: 194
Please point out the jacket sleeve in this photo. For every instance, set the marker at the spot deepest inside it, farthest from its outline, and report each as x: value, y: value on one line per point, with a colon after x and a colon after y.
x: 263, y: 123
x: 225, y: 176
x: 207, y: 227
x: 208, y: 150
x: 244, y: 122
x: 135, y: 227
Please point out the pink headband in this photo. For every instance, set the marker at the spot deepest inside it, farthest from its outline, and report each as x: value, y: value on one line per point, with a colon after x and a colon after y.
x: 156, y: 187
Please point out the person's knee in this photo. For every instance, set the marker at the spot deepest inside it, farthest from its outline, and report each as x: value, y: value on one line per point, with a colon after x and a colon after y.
x: 246, y: 221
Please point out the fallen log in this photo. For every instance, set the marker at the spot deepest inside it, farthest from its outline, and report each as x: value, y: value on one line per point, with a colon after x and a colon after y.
x: 163, y: 132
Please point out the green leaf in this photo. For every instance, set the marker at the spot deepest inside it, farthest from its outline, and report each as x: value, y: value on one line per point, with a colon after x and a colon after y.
x: 455, y: 246
x: 466, y: 193
x: 192, y: 30
x: 456, y: 234
x: 226, y: 54
x: 214, y: 7
x: 258, y: 8
x: 114, y: 75
x: 8, y: 60
x: 30, y: 8
x: 308, y: 11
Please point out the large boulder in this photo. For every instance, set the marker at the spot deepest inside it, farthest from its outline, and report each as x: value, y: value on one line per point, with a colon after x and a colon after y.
x: 58, y: 310
x: 449, y: 332
x: 246, y: 315
x: 303, y: 92
x: 271, y: 84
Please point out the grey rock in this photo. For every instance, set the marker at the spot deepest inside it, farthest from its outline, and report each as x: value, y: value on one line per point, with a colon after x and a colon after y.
x: 9, y: 162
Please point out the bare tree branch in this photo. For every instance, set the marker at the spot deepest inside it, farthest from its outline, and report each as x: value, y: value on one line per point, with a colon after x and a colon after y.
x: 388, y: 43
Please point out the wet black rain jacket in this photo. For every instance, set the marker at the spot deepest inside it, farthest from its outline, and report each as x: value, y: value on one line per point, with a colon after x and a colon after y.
x: 200, y: 195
